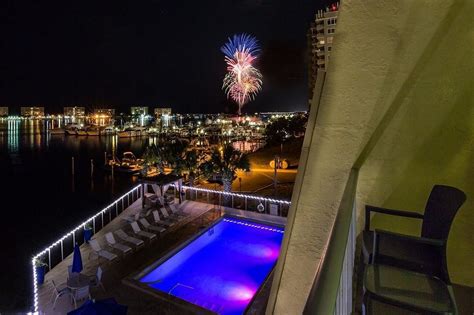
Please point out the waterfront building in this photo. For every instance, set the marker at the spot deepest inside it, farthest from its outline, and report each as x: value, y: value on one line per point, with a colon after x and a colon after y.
x: 102, y: 116
x: 137, y: 111
x: 32, y: 112
x: 163, y: 116
x: 75, y: 112
x: 160, y: 111
x: 320, y: 40
x: 3, y: 111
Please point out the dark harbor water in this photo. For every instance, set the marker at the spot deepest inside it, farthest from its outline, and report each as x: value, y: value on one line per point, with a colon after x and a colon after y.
x: 40, y: 199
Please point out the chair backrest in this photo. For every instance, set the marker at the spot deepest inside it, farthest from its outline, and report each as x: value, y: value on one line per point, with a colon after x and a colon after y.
x: 98, y: 274
x: 121, y: 234
x: 156, y: 216
x: 95, y: 246
x: 164, y: 212
x: 441, y: 208
x: 54, y: 286
x: 173, y: 208
x: 109, y: 237
x: 81, y: 293
x: 144, y: 222
x: 135, y: 227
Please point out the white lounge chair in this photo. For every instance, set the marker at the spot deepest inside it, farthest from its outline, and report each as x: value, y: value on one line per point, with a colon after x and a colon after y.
x: 167, y: 217
x: 125, y: 237
x: 157, y: 219
x: 132, y: 218
x: 102, y: 252
x: 109, y: 237
x: 174, y: 209
x: 150, y: 227
x: 139, y: 232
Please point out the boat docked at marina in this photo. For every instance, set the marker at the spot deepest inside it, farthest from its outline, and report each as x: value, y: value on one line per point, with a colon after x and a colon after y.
x: 71, y: 129
x: 129, y: 164
x: 132, y: 132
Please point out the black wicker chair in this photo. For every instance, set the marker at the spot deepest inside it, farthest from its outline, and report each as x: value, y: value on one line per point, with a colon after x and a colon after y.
x: 387, y: 288
x: 408, y: 251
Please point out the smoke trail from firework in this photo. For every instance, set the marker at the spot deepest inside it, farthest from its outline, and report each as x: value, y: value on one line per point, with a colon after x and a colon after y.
x: 243, y: 81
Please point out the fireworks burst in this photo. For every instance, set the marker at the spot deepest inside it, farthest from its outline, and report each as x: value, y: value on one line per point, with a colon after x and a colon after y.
x: 243, y: 81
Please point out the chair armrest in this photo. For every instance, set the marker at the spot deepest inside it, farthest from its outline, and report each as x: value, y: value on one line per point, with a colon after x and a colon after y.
x: 400, y: 213
x: 409, y: 238
x: 416, y: 244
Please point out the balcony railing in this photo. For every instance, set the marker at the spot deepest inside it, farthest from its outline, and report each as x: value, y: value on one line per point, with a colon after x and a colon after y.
x: 252, y: 203
x: 331, y: 292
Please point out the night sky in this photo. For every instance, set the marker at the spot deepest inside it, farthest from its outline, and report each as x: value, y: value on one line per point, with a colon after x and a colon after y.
x: 148, y: 53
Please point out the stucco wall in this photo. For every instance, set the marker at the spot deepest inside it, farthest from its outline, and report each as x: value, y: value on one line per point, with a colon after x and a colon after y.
x: 430, y: 140
x: 378, y: 109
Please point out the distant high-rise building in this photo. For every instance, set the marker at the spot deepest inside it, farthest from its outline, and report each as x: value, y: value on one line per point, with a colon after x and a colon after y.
x: 33, y: 112
x: 160, y: 111
x: 138, y: 111
x: 75, y: 112
x: 320, y: 38
x: 3, y: 111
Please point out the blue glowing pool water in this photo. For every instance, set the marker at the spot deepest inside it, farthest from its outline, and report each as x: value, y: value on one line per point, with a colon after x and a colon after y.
x: 222, y: 269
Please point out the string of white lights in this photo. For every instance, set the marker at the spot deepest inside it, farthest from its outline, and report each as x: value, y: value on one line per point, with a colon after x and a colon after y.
x: 257, y: 226
x: 238, y: 195
x: 57, y: 242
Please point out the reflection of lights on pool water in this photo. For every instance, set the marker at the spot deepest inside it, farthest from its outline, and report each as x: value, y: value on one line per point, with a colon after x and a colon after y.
x: 238, y: 293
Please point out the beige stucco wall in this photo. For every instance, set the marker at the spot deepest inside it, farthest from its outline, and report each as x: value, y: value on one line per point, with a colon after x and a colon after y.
x: 430, y: 140
x: 392, y: 84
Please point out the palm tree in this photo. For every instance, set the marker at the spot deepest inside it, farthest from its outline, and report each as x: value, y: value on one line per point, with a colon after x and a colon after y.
x: 226, y: 162
x: 152, y: 157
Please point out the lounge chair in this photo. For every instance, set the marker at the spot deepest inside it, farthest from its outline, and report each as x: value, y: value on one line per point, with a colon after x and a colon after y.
x: 133, y: 217
x: 139, y: 232
x: 109, y: 237
x: 157, y: 219
x: 102, y: 252
x: 150, y: 227
x: 125, y: 237
x: 176, y: 211
x: 167, y: 217
x: 174, y: 216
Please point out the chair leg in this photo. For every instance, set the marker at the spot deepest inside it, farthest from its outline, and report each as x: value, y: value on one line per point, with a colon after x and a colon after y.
x: 55, y: 300
x: 75, y: 302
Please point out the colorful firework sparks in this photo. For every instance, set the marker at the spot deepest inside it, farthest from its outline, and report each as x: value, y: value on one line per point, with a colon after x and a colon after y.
x: 243, y: 81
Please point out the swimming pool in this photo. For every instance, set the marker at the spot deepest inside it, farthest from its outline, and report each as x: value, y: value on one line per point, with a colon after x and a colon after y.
x: 223, y: 268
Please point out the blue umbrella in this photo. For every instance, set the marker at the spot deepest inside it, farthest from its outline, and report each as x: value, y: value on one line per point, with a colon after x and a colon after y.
x: 77, y: 259
x: 101, y: 307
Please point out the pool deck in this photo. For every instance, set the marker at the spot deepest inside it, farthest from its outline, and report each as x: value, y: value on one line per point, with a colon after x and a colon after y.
x: 200, y: 216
